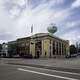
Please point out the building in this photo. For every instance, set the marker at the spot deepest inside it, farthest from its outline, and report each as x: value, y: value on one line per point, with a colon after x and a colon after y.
x: 9, y: 49
x: 23, y: 47
x: 4, y: 51
x: 12, y: 48
x: 0, y: 49
x: 43, y: 45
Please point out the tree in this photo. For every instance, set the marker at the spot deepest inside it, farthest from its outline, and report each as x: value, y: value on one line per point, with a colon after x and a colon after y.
x: 73, y: 49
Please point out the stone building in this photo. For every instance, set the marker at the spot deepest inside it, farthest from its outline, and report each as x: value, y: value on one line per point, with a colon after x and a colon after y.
x: 23, y: 46
x: 43, y: 45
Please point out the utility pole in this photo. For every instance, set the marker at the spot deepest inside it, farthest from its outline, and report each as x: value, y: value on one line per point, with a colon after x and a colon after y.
x: 77, y: 46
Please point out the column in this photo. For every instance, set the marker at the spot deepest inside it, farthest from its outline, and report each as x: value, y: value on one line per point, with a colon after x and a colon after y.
x: 32, y: 48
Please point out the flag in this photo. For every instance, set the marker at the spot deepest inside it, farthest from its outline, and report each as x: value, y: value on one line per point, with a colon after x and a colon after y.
x: 32, y: 28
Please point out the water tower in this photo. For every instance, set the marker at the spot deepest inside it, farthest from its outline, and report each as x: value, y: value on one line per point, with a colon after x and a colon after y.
x: 52, y: 28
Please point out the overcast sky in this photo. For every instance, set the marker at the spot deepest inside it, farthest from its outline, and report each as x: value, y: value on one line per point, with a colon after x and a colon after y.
x: 17, y: 16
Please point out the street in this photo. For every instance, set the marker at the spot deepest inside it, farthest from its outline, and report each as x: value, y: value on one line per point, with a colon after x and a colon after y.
x: 18, y: 72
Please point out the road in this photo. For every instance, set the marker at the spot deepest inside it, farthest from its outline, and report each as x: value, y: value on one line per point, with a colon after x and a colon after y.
x: 18, y: 72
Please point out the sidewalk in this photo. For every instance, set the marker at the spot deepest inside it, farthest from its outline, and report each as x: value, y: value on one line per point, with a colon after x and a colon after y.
x: 59, y: 64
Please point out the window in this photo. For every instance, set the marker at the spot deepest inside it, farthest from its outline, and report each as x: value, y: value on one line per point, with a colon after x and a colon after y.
x: 56, y: 48
x: 53, y: 47
x: 59, y: 48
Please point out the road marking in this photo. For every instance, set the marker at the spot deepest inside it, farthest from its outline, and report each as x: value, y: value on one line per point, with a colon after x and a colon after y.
x: 45, y: 74
x: 52, y: 70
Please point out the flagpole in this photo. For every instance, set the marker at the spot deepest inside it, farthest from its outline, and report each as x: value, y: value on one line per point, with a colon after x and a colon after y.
x: 32, y: 29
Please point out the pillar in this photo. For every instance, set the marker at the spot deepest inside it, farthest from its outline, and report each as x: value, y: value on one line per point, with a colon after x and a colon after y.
x: 32, y: 48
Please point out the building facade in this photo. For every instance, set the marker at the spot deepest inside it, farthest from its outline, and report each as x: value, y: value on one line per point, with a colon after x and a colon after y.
x: 43, y: 45
x: 12, y: 48
x: 4, y: 51
x: 23, y: 46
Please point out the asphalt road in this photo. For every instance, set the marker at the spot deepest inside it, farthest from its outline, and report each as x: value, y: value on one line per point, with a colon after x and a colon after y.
x: 18, y: 72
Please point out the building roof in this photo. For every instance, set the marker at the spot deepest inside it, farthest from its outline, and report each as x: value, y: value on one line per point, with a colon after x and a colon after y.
x: 24, y: 38
x: 43, y: 35
x: 47, y: 34
x: 11, y: 42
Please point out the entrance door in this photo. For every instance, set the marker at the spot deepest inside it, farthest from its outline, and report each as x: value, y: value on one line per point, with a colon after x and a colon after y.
x: 38, y: 49
x: 54, y: 48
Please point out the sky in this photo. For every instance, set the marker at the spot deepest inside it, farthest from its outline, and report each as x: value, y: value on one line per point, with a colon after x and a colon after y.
x: 17, y: 17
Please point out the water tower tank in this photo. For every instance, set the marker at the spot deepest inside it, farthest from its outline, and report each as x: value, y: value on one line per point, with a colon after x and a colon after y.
x: 52, y: 28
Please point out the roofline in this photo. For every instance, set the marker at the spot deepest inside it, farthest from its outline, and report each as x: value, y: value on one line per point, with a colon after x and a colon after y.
x: 46, y: 34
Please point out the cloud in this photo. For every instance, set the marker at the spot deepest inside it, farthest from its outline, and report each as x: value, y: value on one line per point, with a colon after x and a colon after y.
x: 7, y: 29
x: 70, y: 30
x: 15, y: 11
x: 40, y: 17
x: 72, y: 36
x: 19, y: 2
x: 14, y: 7
x: 6, y: 36
x: 19, y: 15
x: 69, y: 26
x: 76, y: 4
